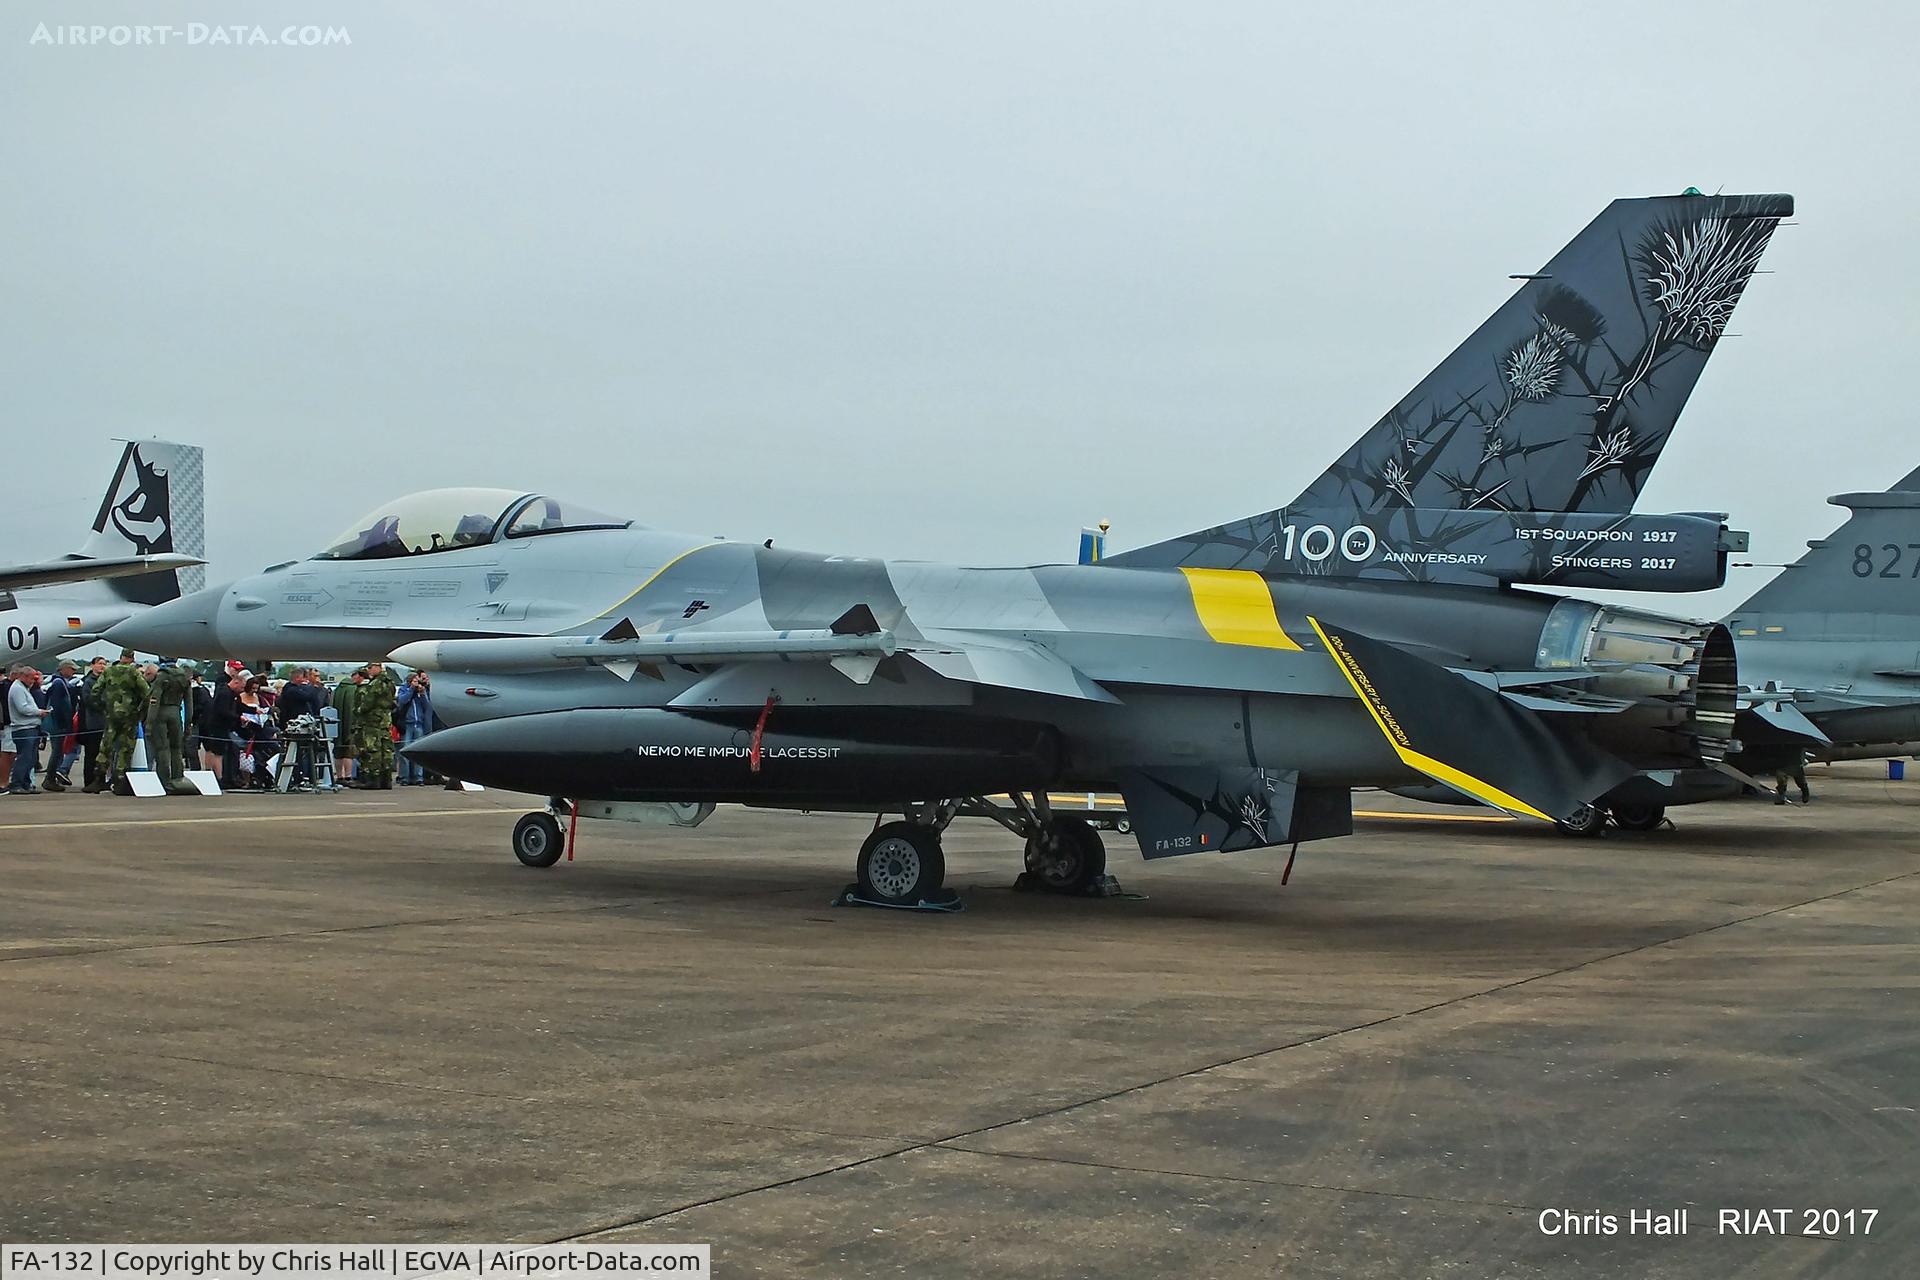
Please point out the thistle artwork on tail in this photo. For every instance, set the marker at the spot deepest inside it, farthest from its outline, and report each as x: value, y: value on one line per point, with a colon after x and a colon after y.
x: 1561, y: 402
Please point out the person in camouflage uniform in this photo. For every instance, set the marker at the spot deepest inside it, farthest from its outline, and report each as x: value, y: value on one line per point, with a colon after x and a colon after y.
x: 373, y: 728
x: 120, y: 695
x: 166, y: 738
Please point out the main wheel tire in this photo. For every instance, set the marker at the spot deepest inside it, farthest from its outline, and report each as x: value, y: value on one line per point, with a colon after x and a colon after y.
x: 1638, y: 817
x: 901, y: 864
x: 1067, y: 856
x: 536, y: 840
x: 1588, y: 820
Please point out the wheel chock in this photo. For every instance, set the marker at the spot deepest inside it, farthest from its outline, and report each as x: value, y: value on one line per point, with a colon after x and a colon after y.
x: 944, y: 900
x: 1104, y: 887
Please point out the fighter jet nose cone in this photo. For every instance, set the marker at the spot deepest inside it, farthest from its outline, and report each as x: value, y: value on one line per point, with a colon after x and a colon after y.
x: 181, y: 628
x: 418, y: 653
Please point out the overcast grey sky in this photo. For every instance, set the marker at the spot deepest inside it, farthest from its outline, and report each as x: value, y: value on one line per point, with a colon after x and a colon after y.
x: 939, y: 281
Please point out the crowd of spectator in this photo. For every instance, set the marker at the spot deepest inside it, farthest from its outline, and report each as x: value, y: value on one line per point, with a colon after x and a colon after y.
x: 251, y: 730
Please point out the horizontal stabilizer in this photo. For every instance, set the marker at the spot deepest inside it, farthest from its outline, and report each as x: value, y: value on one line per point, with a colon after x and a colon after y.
x: 1557, y: 700
x: 1471, y: 738
x: 1746, y: 780
x: 1788, y: 718
x: 86, y: 569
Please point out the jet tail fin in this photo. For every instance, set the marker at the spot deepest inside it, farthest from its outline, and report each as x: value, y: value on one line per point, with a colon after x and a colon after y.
x: 1564, y: 398
x: 154, y: 504
x: 1858, y: 581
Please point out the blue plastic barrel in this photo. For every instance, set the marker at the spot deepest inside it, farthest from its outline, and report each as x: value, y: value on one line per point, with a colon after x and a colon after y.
x: 1896, y: 770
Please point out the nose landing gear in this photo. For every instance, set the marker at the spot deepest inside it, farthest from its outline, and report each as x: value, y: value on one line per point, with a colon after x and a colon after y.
x: 536, y: 840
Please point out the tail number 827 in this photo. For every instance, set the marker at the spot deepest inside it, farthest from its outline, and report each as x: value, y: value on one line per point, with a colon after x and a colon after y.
x: 1886, y: 564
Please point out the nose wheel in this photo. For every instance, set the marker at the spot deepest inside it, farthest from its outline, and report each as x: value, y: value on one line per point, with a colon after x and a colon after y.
x: 901, y: 865
x: 536, y: 840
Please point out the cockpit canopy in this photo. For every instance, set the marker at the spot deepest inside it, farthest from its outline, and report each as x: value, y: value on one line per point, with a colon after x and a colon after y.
x: 448, y: 519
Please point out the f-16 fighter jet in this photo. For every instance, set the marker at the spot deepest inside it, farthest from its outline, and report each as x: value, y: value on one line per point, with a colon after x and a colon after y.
x: 145, y: 548
x: 1232, y: 685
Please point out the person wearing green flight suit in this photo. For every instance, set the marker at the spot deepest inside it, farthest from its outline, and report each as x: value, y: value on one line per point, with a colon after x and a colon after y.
x: 343, y: 733
x: 165, y: 734
x: 373, y: 728
x: 120, y: 696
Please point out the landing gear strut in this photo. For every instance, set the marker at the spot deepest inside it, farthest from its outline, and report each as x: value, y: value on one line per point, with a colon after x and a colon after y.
x: 1064, y: 853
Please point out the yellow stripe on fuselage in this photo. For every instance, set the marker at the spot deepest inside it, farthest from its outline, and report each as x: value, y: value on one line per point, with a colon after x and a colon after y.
x: 1235, y: 607
x: 1438, y: 770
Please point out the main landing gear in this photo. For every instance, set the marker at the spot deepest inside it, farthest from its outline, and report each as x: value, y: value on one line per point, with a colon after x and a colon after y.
x: 1638, y: 817
x: 1591, y: 819
x: 1065, y: 855
x: 901, y: 864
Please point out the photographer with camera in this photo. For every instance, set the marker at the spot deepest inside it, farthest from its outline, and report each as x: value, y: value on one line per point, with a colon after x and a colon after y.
x: 413, y: 712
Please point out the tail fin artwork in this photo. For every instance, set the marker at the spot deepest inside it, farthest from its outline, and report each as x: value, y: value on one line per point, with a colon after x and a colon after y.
x: 1862, y: 581
x: 155, y: 504
x: 1561, y: 402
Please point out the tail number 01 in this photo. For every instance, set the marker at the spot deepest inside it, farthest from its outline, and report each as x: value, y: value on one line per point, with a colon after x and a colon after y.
x: 1317, y: 542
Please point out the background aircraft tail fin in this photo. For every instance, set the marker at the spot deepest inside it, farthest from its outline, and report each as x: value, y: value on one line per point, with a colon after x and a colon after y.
x: 1867, y: 570
x: 1564, y: 398
x: 155, y: 503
